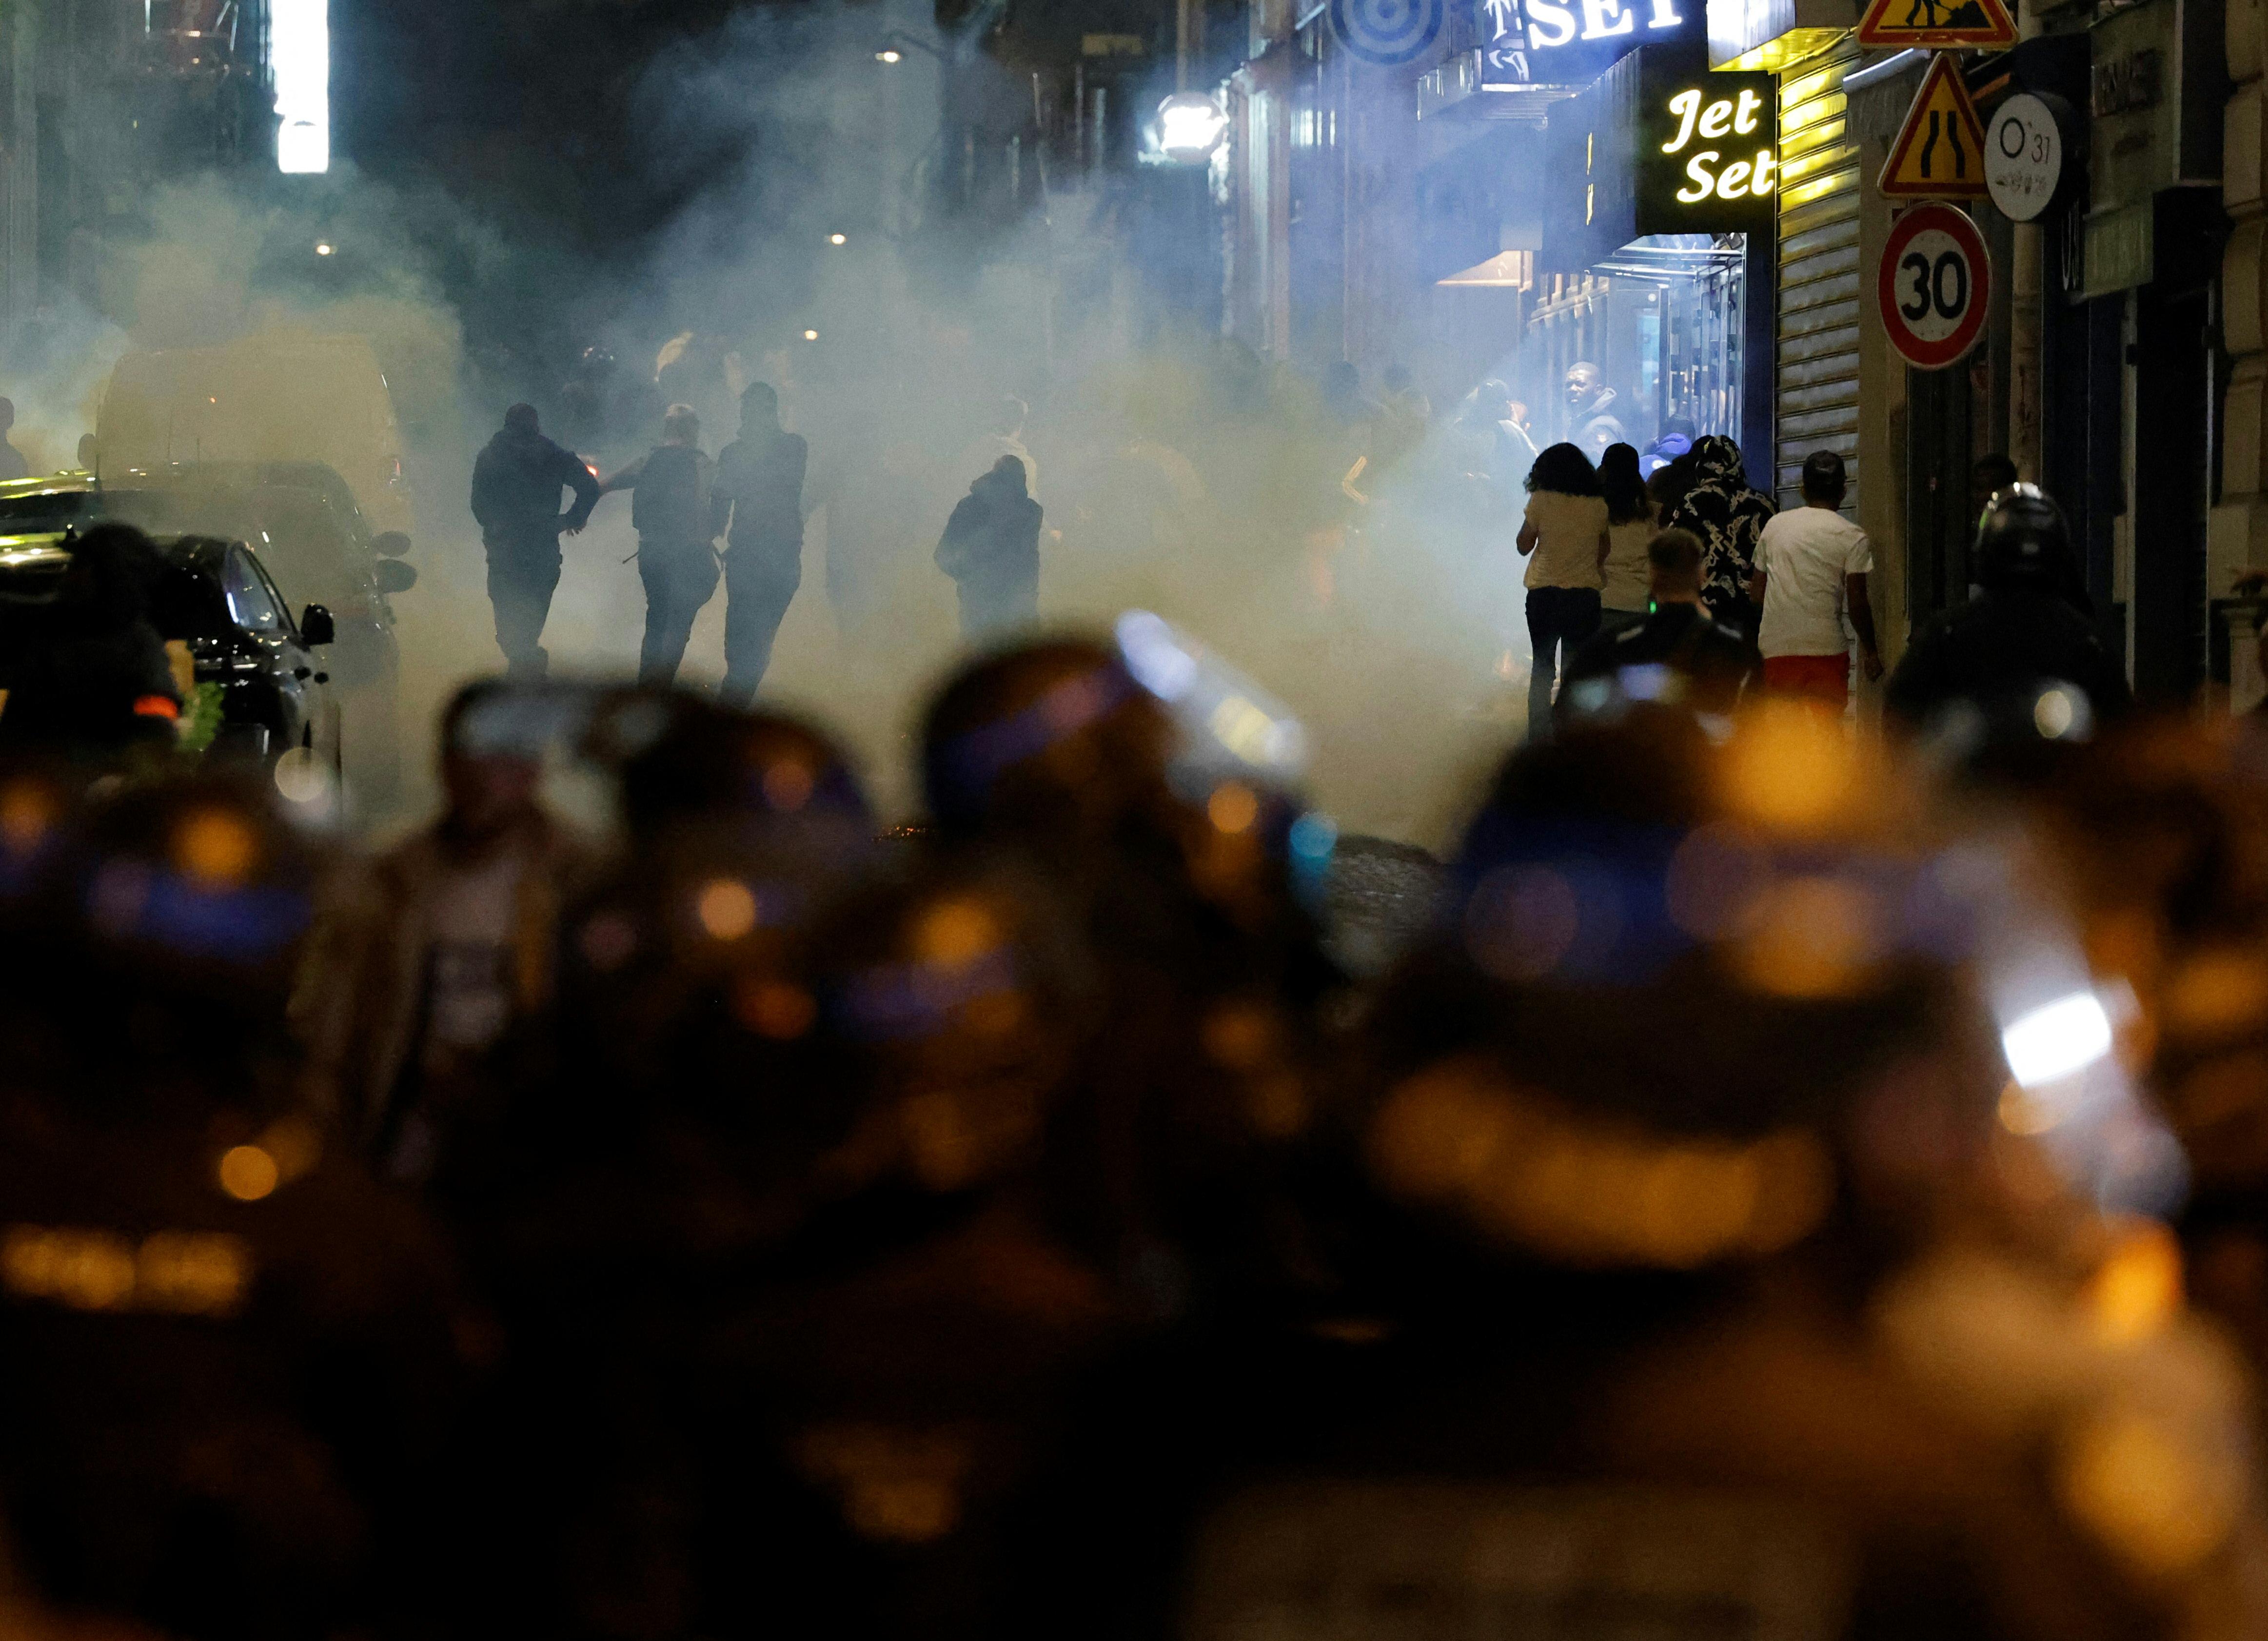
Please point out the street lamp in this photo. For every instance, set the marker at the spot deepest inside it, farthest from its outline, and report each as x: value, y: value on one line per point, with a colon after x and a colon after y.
x: 895, y: 44
x: 1190, y: 126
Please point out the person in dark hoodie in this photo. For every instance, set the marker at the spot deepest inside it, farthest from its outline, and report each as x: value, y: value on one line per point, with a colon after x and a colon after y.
x: 89, y: 679
x: 1728, y: 515
x: 516, y: 484
x: 678, y: 520
x: 991, y: 549
x: 760, y: 478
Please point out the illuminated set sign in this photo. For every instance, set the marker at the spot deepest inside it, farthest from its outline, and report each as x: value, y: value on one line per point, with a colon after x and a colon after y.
x: 1708, y: 153
x: 1658, y: 144
x: 1570, y: 43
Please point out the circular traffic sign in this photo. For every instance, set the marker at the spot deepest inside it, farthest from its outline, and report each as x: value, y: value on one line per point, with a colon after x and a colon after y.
x: 1935, y: 285
x: 2023, y: 157
x: 1387, y: 33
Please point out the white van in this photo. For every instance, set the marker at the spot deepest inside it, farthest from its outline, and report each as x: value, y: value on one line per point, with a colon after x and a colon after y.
x: 263, y: 399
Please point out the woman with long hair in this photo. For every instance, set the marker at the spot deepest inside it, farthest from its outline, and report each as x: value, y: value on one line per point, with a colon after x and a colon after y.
x: 1564, y: 538
x: 1630, y: 525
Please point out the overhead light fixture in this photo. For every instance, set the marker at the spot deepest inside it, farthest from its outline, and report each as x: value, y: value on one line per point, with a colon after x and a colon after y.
x: 323, y: 247
x: 889, y: 55
x: 1190, y: 126
x: 836, y: 238
x: 299, y: 66
x: 811, y: 335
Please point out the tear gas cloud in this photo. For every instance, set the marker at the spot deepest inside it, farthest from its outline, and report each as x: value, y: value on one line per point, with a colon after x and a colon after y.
x: 1180, y: 473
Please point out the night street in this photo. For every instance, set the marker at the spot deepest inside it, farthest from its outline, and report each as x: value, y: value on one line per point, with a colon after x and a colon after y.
x: 1401, y: 820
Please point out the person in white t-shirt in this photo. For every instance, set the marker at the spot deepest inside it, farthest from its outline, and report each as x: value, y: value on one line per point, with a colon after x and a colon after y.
x: 1811, y: 565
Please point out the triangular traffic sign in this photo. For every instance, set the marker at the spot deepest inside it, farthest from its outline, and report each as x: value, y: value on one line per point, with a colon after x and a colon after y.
x: 1937, y: 23
x: 1939, y: 153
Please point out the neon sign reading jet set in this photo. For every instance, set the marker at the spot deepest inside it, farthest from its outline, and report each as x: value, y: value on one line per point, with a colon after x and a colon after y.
x: 1727, y: 116
x: 1550, y: 23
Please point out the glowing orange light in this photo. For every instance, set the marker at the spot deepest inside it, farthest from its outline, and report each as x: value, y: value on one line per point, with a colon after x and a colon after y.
x: 215, y: 849
x: 787, y: 787
x: 248, y: 1173
x: 1233, y: 807
x: 725, y: 908
x: 2138, y: 1291
x: 772, y: 1008
x: 1790, y: 768
x: 957, y: 933
x: 27, y: 812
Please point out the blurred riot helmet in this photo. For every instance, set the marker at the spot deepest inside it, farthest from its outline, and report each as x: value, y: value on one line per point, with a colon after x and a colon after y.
x: 2022, y: 543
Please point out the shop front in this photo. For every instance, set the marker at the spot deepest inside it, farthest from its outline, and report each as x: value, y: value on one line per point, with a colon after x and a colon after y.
x: 1666, y: 182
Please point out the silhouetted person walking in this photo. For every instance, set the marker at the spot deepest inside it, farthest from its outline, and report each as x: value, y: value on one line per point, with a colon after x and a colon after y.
x: 991, y: 550
x: 760, y: 480
x: 674, y: 510
x: 516, y: 485
x: 13, y: 464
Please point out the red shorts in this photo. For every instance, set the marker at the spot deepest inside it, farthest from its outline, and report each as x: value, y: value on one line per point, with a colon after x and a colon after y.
x: 1825, y: 678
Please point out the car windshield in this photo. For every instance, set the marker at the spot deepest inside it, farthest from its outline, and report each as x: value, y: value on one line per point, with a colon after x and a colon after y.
x: 249, y: 601
x: 301, y: 542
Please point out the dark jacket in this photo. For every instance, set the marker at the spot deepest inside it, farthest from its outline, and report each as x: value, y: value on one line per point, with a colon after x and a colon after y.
x: 1729, y: 516
x: 88, y: 673
x: 994, y: 533
x: 1997, y: 651
x: 1717, y: 663
x: 516, y: 487
x: 760, y: 481
x: 673, y: 497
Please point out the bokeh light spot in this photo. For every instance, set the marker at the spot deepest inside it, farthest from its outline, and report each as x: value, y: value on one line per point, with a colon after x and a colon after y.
x: 956, y: 933
x: 726, y: 908
x: 27, y: 813
x: 1233, y: 807
x: 248, y: 1172
x: 775, y: 1009
x: 788, y: 785
x: 215, y: 849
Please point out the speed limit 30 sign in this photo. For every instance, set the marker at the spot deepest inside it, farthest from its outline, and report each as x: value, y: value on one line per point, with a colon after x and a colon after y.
x: 1935, y: 285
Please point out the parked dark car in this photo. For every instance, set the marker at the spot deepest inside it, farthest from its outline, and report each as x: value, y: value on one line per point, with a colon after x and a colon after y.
x: 301, y: 520
x: 215, y: 597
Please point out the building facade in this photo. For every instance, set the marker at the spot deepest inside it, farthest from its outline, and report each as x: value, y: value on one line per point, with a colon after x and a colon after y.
x: 1480, y: 215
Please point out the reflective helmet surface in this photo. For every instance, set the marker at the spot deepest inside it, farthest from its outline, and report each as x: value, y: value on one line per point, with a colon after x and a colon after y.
x: 2022, y: 541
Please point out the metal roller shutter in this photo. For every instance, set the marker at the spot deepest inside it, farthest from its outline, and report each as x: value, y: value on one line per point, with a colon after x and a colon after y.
x: 1818, y: 311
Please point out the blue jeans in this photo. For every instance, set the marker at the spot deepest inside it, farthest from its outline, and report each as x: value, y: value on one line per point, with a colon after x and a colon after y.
x: 1559, y: 619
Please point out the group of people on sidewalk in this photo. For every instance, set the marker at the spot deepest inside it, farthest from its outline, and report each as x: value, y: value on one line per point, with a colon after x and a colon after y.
x: 1697, y: 570
x: 752, y: 496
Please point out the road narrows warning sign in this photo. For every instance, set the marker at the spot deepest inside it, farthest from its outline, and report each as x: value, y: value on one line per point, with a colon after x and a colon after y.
x: 1940, y: 151
x: 1937, y: 23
